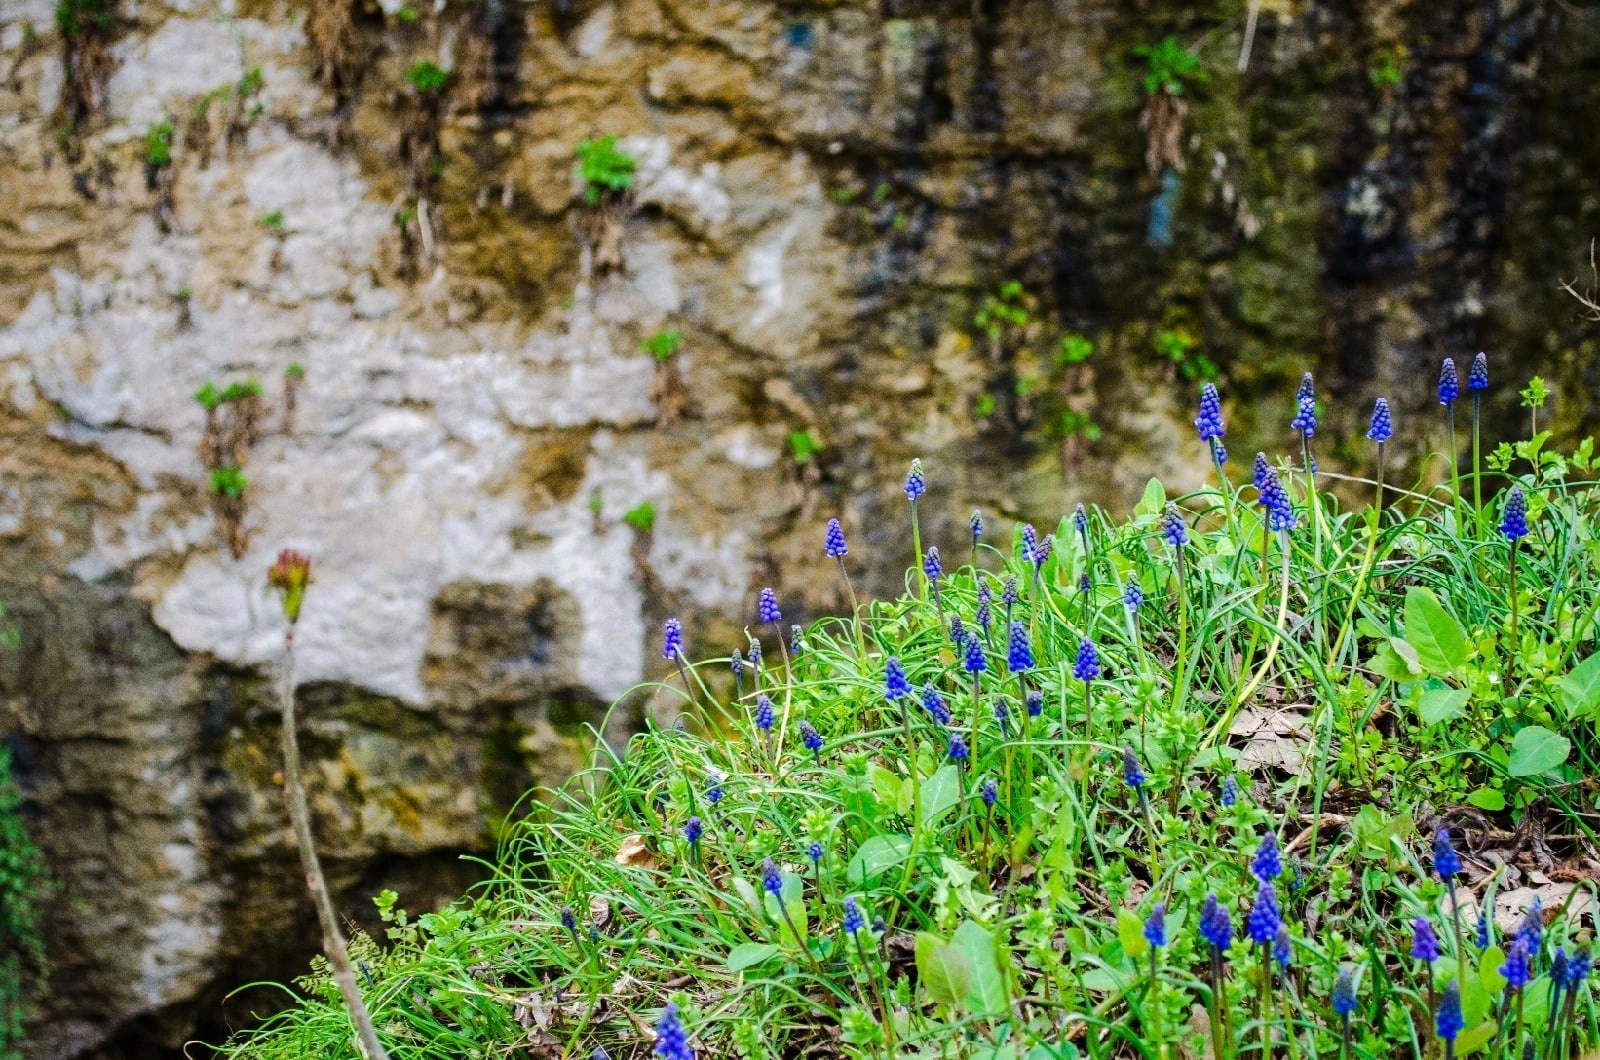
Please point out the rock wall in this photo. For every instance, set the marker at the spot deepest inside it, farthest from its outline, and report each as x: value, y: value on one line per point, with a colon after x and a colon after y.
x: 826, y: 193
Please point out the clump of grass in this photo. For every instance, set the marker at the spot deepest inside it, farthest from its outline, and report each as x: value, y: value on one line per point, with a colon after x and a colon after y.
x: 1231, y: 775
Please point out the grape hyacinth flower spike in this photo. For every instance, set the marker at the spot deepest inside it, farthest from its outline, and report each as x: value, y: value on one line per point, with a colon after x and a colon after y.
x: 834, y: 546
x: 736, y: 663
x: 934, y: 704
x: 766, y: 717
x: 1086, y: 668
x: 1477, y: 383
x: 932, y: 568
x: 1450, y: 1022
x: 975, y: 524
x: 1449, y: 390
x: 915, y: 487
x: 1514, y: 525
x: 672, y: 1043
x: 1080, y: 520
x: 772, y: 883
x: 1216, y: 928
x: 1132, y: 594
x: 1210, y: 427
x: 1268, y: 863
x: 984, y: 615
x: 1380, y: 430
x: 1447, y: 863
x: 1019, y: 654
x: 1230, y: 792
x: 1008, y: 595
x: 812, y: 740
x: 672, y: 650
x: 1344, y: 1005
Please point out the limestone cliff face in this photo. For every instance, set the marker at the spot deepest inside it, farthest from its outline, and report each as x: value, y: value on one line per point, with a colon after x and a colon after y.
x: 825, y: 195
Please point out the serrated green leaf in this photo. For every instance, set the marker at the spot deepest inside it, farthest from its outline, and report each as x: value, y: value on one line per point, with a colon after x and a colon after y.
x: 1439, y: 639
x: 878, y: 854
x: 1535, y: 749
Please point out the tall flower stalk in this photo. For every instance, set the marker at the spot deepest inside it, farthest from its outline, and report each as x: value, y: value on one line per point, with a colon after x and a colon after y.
x: 1514, y: 526
x: 834, y: 545
x: 915, y: 487
x: 1305, y: 421
x: 1449, y: 390
x: 1477, y: 383
x: 291, y: 575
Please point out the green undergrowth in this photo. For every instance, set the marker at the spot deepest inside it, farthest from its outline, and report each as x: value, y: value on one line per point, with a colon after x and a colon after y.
x: 1280, y: 720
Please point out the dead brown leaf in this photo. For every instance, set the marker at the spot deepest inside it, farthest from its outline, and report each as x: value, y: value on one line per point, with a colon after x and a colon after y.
x: 633, y: 852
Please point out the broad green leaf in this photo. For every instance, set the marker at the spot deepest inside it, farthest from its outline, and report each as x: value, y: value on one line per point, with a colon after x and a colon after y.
x: 1439, y: 639
x: 750, y: 954
x: 1489, y: 970
x: 943, y: 970
x: 1469, y: 1042
x: 1536, y: 750
x: 1154, y: 499
x: 1130, y: 929
x: 1442, y: 704
x: 940, y: 792
x: 1408, y: 652
x: 1388, y: 663
x: 888, y: 786
x: 986, y: 991
x: 1490, y: 799
x: 1580, y: 689
x: 1104, y: 980
x: 876, y: 855
x: 747, y: 891
x: 794, y: 902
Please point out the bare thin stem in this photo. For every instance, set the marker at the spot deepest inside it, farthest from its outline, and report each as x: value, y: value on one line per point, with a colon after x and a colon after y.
x: 294, y: 795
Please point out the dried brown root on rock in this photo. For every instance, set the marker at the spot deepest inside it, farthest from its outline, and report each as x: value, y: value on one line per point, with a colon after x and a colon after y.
x: 86, y: 28
x: 1162, y: 122
x: 331, y: 34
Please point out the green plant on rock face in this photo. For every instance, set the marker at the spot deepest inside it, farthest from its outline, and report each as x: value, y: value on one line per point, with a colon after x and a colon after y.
x: 158, y: 144
x: 641, y: 517
x: 22, y: 883
x: 803, y: 446
x: 237, y: 391
x: 427, y: 76
x: 604, y: 168
x: 1074, y: 349
x: 208, y: 396
x: 1169, y: 65
x: 1078, y: 424
x: 74, y: 17
x: 250, y: 83
x: 272, y: 222
x: 663, y: 344
x: 1010, y: 307
x: 296, y: 370
x: 229, y: 481
x: 1177, y: 345
x: 1384, y: 70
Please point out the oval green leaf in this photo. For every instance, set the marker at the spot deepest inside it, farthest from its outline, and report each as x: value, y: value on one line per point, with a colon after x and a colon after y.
x: 1536, y: 750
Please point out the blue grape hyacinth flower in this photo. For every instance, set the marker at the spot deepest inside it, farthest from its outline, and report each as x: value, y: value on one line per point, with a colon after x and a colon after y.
x: 672, y: 1042
x: 1515, y: 970
x: 1449, y: 382
x: 1283, y: 947
x: 1132, y: 594
x: 769, y: 607
x: 1132, y: 772
x: 1030, y: 541
x: 934, y: 704
x: 974, y: 661
x: 1265, y: 918
x: 1209, y: 422
x: 931, y: 565
x: 1344, y: 994
x: 984, y: 615
x: 1035, y: 703
x: 1515, y: 523
x: 1446, y: 862
x: 1230, y: 792
x: 814, y: 851
x: 1155, y: 925
x: 1019, y: 654
x: 989, y: 792
x: 853, y: 921
x: 1478, y: 374
x: 1216, y: 925
x: 1424, y: 942
x: 957, y: 748
x: 812, y: 740
x: 916, y: 485
x: 1087, y: 666
x: 1305, y: 403
x: 1173, y: 528
x: 1450, y: 1022
x: 1382, y: 428
x: 975, y: 524
x: 765, y: 714
x: 895, y: 684
x: 834, y: 546
x: 672, y: 640
x: 693, y: 830
x: 1268, y: 863
x: 772, y: 878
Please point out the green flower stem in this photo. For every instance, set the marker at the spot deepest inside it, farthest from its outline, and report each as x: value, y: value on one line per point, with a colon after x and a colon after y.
x: 916, y: 547
x: 1477, y: 467
x: 294, y: 797
x: 856, y: 618
x: 1455, y: 468
x: 1511, y: 649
